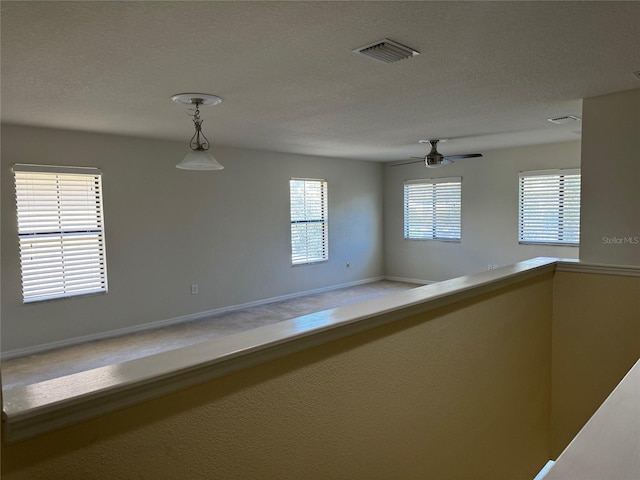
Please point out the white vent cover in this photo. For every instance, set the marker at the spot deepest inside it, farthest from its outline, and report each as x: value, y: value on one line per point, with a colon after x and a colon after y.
x: 564, y: 119
x: 387, y: 51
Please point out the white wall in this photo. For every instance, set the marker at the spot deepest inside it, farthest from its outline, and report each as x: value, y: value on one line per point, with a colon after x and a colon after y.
x: 489, y: 214
x: 227, y: 231
x: 611, y: 179
x: 167, y: 229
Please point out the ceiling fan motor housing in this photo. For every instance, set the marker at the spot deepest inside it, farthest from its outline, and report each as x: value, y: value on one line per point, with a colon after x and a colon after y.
x: 434, y: 158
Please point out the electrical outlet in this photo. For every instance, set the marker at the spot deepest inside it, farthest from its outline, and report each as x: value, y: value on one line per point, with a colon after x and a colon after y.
x: 492, y: 266
x: 194, y: 289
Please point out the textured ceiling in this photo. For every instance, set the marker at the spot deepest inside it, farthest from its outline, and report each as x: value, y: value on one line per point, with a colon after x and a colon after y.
x: 488, y: 74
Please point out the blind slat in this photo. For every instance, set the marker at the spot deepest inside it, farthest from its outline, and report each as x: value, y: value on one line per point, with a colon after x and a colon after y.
x: 60, y: 228
x: 432, y: 209
x: 309, y: 228
x: 549, y: 209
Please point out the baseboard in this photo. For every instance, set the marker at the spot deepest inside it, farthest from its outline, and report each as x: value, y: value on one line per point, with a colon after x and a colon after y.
x: 410, y: 280
x: 25, y: 352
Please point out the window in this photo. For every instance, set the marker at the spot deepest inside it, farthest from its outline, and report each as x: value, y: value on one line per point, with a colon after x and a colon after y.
x: 549, y: 207
x: 432, y: 209
x: 309, y: 229
x: 60, y: 230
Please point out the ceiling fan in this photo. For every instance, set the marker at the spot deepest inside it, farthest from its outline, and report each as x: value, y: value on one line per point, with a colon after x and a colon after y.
x: 435, y: 159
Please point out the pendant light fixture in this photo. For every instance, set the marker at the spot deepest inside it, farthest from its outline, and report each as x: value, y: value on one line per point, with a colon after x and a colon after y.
x: 199, y: 158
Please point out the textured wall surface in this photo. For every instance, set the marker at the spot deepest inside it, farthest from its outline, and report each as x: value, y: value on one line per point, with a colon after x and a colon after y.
x: 228, y: 231
x: 596, y: 340
x: 457, y: 393
x: 610, y: 203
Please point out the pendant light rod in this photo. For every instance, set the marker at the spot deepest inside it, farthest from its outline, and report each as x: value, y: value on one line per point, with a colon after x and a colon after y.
x: 195, y: 142
x: 199, y: 158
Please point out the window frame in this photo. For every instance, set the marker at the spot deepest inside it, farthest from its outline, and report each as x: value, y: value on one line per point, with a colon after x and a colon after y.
x: 300, y: 258
x: 567, y: 224
x: 65, y: 228
x: 438, y: 223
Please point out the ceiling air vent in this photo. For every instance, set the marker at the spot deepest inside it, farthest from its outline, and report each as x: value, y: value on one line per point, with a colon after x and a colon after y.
x: 563, y: 120
x: 387, y: 51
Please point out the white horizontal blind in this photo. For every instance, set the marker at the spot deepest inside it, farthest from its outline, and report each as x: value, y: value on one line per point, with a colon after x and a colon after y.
x: 60, y: 230
x: 432, y: 209
x: 549, y: 207
x: 309, y: 229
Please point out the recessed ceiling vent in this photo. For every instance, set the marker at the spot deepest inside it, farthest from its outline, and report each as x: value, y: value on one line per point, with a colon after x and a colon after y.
x: 387, y: 51
x: 564, y: 120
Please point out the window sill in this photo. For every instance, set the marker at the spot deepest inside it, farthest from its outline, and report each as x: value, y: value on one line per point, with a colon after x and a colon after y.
x: 37, y: 301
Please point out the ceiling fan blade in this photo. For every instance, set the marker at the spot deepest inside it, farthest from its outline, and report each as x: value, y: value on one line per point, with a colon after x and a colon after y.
x: 407, y: 162
x: 458, y: 157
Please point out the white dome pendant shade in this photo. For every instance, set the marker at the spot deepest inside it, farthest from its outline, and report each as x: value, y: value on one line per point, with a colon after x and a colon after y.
x: 199, y: 158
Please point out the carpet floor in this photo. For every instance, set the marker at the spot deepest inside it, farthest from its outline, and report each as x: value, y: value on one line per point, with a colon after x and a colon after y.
x: 89, y: 355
